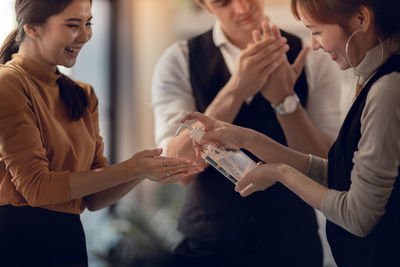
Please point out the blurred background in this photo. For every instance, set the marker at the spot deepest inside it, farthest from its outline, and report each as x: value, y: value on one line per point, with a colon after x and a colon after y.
x: 128, y: 38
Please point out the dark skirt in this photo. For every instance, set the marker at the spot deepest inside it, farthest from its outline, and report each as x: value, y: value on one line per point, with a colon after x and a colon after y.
x: 38, y: 237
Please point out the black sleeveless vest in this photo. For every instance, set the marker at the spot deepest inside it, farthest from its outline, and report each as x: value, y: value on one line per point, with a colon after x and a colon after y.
x: 381, y: 246
x: 212, y: 210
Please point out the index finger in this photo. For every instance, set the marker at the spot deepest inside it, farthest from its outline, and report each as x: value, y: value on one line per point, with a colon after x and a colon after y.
x: 275, y: 31
x: 256, y: 35
x: 266, y: 29
x: 166, y: 161
x: 206, y: 121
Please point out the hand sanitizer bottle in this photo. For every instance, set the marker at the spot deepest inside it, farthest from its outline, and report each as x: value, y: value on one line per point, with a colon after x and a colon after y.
x: 232, y: 163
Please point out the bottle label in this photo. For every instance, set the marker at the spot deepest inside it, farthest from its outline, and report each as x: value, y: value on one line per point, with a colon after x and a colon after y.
x: 232, y: 163
x: 220, y: 169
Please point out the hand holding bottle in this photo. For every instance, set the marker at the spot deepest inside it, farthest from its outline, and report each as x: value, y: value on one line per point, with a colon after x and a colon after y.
x: 231, y: 162
x: 218, y: 132
x: 261, y: 178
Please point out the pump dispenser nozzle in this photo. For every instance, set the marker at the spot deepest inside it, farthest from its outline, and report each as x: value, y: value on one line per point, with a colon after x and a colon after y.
x: 185, y: 125
x: 196, y: 133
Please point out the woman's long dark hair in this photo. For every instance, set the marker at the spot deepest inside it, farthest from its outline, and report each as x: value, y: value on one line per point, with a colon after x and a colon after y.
x: 37, y: 12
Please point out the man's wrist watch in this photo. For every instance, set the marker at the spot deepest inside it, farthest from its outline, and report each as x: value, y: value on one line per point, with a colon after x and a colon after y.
x: 288, y: 106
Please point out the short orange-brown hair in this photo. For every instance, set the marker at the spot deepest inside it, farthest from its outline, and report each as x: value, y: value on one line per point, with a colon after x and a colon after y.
x: 387, y: 20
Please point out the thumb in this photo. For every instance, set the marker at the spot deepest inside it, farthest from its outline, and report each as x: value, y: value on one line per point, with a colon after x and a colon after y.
x: 244, y: 182
x: 150, y: 152
x: 298, y: 65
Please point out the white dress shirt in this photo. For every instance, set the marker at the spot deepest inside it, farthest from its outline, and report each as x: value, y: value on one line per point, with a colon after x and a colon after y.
x: 172, y: 95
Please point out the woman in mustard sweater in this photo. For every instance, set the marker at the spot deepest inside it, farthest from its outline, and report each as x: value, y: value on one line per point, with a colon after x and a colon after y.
x: 51, y: 154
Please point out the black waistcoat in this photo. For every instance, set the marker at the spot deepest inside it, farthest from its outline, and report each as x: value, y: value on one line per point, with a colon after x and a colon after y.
x: 381, y: 246
x: 212, y: 210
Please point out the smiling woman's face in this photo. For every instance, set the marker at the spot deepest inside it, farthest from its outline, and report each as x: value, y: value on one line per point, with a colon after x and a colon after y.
x: 61, y: 38
x: 331, y: 38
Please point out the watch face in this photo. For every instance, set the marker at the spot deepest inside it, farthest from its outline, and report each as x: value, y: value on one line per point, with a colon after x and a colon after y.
x: 290, y: 104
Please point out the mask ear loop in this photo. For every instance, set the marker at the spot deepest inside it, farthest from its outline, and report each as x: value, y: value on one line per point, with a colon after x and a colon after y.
x: 347, y: 50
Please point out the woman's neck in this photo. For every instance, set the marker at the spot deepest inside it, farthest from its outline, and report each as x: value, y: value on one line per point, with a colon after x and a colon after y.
x: 31, y: 51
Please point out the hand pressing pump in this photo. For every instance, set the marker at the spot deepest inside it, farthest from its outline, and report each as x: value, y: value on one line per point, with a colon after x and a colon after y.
x: 233, y: 163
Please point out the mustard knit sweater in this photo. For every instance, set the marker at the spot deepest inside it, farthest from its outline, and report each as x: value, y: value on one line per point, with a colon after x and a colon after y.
x: 39, y: 144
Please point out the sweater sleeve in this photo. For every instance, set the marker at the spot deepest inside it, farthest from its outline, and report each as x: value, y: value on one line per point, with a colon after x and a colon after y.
x: 99, y: 160
x: 376, y: 162
x: 22, y: 150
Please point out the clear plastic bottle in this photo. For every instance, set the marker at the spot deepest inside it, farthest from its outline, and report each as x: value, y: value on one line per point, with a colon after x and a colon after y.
x: 232, y: 163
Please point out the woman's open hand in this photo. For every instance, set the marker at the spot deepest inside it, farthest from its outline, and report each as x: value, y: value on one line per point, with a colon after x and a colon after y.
x: 148, y: 164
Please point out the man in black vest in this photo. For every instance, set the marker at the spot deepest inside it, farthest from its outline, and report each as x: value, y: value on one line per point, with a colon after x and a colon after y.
x: 220, y: 74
